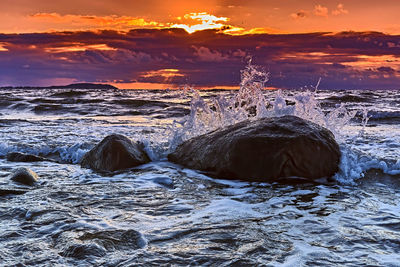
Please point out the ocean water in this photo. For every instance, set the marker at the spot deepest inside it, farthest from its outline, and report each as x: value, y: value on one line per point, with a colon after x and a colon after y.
x: 163, y: 214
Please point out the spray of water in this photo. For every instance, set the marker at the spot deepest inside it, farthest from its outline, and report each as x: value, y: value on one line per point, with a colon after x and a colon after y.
x: 250, y: 103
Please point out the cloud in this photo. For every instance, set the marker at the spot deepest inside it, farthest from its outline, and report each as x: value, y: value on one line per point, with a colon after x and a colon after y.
x: 299, y: 15
x: 191, y: 22
x: 3, y: 47
x: 321, y: 11
x: 208, y: 58
x: 340, y: 10
x: 78, y: 47
x: 200, y: 21
x: 386, y: 69
x: 392, y: 44
x: 205, y: 54
x: 98, y: 22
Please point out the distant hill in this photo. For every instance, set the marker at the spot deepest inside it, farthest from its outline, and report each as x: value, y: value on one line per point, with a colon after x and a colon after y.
x: 101, y: 86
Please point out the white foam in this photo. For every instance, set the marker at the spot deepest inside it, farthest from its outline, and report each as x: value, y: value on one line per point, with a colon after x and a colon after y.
x: 70, y: 154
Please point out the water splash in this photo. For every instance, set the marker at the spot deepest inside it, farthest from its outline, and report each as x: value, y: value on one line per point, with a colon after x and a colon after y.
x: 364, y: 120
x: 250, y: 103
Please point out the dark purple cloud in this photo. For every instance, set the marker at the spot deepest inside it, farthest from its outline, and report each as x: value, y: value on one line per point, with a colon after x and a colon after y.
x: 347, y: 60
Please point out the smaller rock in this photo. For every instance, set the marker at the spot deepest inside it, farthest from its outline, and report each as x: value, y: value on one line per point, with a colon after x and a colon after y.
x: 115, y: 152
x: 24, y: 175
x: 22, y: 157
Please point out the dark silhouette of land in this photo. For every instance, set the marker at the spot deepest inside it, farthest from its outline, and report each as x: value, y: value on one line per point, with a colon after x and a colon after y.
x: 99, y: 86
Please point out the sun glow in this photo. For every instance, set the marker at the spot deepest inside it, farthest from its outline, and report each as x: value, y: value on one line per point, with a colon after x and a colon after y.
x: 200, y: 21
x: 78, y: 47
x: 142, y: 85
x: 191, y: 22
x: 166, y: 74
x: 2, y: 47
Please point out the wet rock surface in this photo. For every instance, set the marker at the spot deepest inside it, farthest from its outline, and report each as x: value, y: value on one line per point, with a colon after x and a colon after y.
x: 267, y: 149
x: 24, y: 175
x: 115, y: 152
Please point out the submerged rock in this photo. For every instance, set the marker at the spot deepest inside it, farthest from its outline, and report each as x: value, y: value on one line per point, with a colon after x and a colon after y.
x: 267, y: 149
x: 22, y: 157
x: 25, y: 176
x: 115, y: 152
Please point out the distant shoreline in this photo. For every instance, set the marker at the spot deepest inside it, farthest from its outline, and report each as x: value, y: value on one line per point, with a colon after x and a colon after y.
x: 99, y: 86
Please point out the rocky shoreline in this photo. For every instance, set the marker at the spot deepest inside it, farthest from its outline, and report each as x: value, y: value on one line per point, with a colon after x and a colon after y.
x: 264, y: 150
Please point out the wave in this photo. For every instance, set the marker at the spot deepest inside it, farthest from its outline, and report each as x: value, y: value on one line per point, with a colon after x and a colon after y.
x: 350, y: 98
x: 384, y: 116
x: 70, y: 93
x: 135, y: 103
x: 47, y: 107
x: 63, y: 154
x: 19, y: 106
x: 198, y: 112
x: 94, y: 106
x: 355, y: 164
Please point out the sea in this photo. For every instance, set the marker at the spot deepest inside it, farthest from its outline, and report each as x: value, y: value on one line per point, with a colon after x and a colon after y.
x: 162, y: 214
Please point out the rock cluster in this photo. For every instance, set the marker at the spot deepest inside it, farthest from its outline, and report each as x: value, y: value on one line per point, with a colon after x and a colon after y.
x: 267, y: 149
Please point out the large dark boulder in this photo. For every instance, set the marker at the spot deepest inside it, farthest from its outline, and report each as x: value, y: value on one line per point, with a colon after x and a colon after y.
x: 24, y: 175
x: 267, y: 149
x: 115, y: 152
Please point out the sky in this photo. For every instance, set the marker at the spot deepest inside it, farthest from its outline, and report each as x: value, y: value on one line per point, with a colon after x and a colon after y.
x: 349, y: 44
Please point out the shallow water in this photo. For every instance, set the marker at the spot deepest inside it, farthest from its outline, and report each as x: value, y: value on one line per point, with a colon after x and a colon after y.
x: 163, y: 214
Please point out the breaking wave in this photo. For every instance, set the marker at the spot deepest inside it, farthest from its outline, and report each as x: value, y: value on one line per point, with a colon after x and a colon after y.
x: 250, y: 103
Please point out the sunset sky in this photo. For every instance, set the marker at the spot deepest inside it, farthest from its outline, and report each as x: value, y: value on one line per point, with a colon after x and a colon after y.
x: 350, y: 44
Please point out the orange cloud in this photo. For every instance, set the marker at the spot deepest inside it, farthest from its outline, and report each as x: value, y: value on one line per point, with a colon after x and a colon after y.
x: 321, y: 11
x: 166, y: 74
x: 364, y: 62
x: 98, y: 22
x: 253, y: 31
x: 190, y: 22
x: 2, y: 47
x: 78, y: 47
x: 340, y: 10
